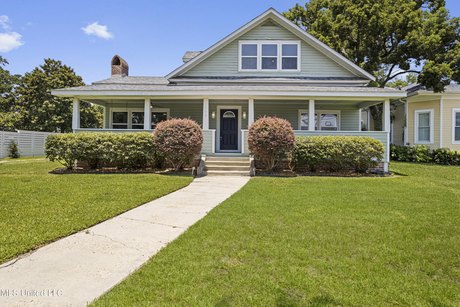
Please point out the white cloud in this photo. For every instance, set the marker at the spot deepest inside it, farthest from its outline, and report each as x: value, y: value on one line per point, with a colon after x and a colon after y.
x: 10, y: 41
x: 5, y: 22
x: 97, y: 30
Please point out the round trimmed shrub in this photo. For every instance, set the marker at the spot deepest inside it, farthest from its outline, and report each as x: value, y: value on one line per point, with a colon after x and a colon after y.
x: 271, y: 139
x: 178, y: 140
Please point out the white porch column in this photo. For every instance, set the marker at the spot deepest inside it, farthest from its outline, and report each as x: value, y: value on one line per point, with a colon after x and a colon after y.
x: 147, y: 115
x: 360, y: 119
x: 76, y: 114
x: 311, y: 115
x: 205, y: 114
x: 386, y: 127
x: 250, y: 112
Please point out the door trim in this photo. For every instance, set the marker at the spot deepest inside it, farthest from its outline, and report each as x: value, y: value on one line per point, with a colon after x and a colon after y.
x: 219, y: 107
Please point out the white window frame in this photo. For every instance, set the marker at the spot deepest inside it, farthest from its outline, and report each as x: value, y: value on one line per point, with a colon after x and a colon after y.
x: 129, y: 111
x: 318, y: 118
x: 259, y: 44
x: 454, y: 112
x: 416, y: 121
x: 159, y: 110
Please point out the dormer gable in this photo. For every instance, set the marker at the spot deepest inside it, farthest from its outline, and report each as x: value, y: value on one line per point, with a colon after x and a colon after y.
x: 270, y: 46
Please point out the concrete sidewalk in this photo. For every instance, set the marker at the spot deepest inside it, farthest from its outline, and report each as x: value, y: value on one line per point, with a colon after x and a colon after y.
x: 77, y: 269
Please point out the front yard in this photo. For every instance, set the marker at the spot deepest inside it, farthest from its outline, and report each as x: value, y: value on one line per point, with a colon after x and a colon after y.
x: 37, y: 207
x: 315, y: 241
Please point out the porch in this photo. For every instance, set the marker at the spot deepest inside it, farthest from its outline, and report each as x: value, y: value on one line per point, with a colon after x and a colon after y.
x: 225, y: 122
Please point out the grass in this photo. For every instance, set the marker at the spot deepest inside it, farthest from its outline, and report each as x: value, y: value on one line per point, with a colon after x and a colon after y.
x: 315, y: 241
x: 37, y: 207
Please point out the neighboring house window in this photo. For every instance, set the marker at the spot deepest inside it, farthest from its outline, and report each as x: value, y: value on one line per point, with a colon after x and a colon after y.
x: 456, y: 126
x: 159, y: 115
x: 120, y: 120
x: 137, y: 120
x: 424, y: 126
x: 269, y: 55
x: 324, y: 120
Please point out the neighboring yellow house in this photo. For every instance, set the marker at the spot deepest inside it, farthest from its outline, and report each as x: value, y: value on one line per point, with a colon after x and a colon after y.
x: 433, y: 119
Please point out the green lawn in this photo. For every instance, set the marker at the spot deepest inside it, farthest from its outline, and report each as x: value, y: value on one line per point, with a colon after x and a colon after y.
x: 37, y: 207
x: 315, y: 241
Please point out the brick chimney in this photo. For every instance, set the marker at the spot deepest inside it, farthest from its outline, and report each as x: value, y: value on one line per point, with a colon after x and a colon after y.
x: 119, y: 67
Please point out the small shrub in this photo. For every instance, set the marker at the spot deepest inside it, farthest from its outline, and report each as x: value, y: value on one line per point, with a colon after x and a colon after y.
x: 445, y: 156
x: 124, y: 150
x: 336, y: 153
x: 271, y: 139
x: 13, y: 150
x: 179, y: 141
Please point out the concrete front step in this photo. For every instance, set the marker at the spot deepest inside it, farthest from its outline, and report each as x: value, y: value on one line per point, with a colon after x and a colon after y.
x: 228, y: 173
x: 225, y: 162
x: 227, y: 168
x: 226, y: 158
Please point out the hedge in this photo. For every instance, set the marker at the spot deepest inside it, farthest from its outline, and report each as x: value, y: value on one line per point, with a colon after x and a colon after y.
x: 124, y: 150
x: 423, y: 154
x: 336, y: 153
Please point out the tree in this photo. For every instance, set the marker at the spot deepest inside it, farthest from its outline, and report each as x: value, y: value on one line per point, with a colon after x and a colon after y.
x: 44, y: 112
x: 388, y: 38
x: 411, y: 78
x: 10, y: 115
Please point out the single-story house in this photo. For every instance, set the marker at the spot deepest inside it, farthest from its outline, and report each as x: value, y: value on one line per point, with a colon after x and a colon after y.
x: 428, y: 118
x: 269, y: 66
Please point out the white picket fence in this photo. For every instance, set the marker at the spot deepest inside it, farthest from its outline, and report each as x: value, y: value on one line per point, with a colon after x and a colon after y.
x: 30, y: 143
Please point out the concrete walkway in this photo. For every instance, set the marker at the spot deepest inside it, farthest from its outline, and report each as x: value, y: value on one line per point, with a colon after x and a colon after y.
x: 77, y: 269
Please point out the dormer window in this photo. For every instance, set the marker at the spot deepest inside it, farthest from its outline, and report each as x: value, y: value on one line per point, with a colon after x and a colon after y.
x: 269, y: 56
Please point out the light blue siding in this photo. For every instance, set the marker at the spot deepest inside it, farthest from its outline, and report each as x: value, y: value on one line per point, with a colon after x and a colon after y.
x: 225, y: 61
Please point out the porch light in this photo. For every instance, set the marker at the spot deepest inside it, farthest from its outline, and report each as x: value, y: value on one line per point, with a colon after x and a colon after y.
x: 213, y: 114
x: 244, y: 114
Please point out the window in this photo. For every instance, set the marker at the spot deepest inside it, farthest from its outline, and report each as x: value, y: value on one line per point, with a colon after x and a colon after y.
x: 289, y: 56
x: 456, y: 126
x: 324, y: 120
x: 424, y: 126
x: 269, y: 55
x: 137, y: 120
x: 120, y: 120
x: 159, y: 115
x: 249, y: 56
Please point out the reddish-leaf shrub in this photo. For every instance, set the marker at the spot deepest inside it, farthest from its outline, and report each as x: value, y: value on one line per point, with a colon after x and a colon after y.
x: 178, y: 141
x: 271, y: 139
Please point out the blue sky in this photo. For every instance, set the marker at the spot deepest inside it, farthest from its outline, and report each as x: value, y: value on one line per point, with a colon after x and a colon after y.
x: 150, y: 35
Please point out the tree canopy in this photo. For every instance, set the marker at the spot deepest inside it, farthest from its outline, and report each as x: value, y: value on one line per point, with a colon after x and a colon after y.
x: 388, y: 37
x: 26, y: 101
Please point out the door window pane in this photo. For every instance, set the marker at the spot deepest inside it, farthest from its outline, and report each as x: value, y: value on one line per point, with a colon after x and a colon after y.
x: 120, y: 120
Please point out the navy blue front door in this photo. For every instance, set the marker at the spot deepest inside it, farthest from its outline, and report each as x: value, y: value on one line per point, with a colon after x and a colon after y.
x: 228, y: 129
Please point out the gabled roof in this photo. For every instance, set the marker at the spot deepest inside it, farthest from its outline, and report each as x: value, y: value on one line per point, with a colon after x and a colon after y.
x: 283, y: 21
x: 417, y: 89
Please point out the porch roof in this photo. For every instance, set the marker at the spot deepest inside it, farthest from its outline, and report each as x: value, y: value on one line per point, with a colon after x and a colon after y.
x: 158, y: 86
